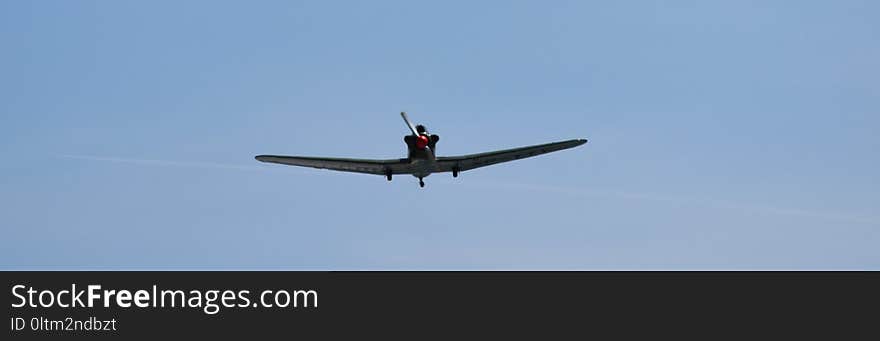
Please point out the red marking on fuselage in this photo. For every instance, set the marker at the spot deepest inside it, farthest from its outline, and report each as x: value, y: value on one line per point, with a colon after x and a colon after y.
x: 421, y: 141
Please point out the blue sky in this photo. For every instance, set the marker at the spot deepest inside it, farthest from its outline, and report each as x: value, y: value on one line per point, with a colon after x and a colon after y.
x: 723, y: 134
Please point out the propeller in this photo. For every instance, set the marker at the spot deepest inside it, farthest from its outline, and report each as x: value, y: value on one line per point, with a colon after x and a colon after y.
x: 408, y: 124
x: 421, y: 140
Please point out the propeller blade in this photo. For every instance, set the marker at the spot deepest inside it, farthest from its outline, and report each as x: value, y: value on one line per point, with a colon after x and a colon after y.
x: 408, y: 124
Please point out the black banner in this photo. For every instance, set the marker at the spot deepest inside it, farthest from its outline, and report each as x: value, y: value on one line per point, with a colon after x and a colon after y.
x: 327, y: 304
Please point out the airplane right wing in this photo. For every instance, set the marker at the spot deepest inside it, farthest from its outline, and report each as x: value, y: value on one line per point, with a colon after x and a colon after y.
x: 466, y: 162
x: 378, y: 167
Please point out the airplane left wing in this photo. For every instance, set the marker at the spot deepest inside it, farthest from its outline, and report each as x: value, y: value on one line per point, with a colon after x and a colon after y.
x: 378, y: 167
x: 466, y: 162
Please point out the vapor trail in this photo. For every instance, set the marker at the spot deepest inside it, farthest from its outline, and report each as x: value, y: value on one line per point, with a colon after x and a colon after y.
x: 165, y: 163
x: 705, y: 202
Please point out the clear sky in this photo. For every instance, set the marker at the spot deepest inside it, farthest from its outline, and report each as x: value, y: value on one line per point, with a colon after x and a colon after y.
x: 723, y: 134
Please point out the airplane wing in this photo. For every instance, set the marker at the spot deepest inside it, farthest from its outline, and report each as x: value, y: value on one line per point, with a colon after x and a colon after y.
x: 379, y: 167
x: 466, y: 162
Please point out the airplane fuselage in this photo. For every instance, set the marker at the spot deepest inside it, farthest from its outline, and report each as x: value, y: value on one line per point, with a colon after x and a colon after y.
x: 422, y: 159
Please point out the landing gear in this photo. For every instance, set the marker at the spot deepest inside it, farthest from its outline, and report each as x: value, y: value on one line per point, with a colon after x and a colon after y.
x: 421, y: 182
x: 455, y: 172
x: 388, y: 175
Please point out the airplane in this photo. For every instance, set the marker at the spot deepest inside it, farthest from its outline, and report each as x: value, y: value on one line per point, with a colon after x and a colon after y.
x: 421, y: 160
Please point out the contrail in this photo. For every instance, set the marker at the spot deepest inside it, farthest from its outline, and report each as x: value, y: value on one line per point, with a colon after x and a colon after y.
x: 691, y: 201
x: 165, y: 163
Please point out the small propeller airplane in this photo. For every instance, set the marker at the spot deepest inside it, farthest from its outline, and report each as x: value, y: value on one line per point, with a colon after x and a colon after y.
x: 421, y: 160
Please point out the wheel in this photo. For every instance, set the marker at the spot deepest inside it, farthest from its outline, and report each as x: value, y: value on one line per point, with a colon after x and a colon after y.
x: 455, y: 172
x: 421, y: 183
x: 388, y: 176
